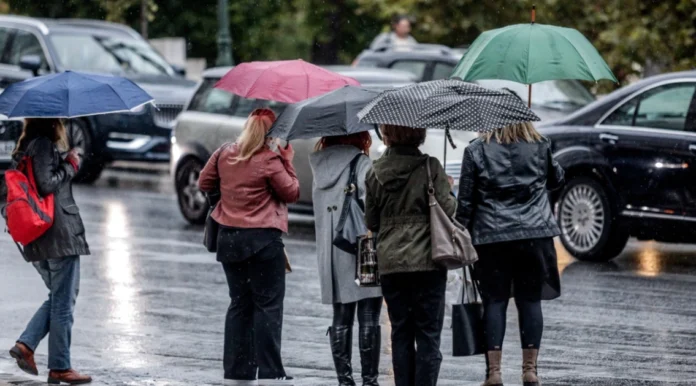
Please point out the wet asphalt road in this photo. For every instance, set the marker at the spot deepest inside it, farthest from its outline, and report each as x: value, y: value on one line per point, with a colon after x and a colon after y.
x: 152, y: 303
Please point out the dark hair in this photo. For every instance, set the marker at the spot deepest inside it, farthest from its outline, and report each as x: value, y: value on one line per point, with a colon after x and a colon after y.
x: 396, y: 19
x: 362, y: 141
x: 393, y: 135
x: 50, y: 128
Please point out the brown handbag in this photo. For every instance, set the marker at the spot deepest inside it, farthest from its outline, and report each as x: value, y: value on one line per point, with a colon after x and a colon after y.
x: 451, y: 241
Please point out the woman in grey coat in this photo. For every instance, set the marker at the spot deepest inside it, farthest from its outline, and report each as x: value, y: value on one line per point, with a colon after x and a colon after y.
x: 331, y: 165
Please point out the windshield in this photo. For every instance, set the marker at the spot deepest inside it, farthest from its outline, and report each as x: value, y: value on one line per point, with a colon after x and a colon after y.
x: 110, y: 55
x: 551, y: 93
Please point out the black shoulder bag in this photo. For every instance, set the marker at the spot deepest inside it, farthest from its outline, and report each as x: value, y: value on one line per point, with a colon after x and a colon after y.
x: 351, y: 225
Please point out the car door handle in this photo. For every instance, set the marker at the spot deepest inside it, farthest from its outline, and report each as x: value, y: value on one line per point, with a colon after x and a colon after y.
x: 610, y: 138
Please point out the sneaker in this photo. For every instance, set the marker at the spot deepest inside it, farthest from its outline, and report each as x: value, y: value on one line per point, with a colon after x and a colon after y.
x: 240, y: 382
x: 280, y: 381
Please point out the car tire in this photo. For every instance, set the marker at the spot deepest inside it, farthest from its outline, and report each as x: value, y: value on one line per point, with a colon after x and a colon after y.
x: 192, y: 202
x: 80, y: 136
x: 590, y: 230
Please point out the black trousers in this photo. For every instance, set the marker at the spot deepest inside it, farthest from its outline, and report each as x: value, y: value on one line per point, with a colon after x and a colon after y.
x: 416, y: 306
x: 368, y: 313
x: 531, y: 322
x: 255, y: 316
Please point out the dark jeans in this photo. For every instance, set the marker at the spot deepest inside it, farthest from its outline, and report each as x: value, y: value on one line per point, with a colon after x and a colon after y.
x: 368, y: 313
x: 55, y: 316
x: 255, y: 317
x: 416, y: 306
x: 531, y: 322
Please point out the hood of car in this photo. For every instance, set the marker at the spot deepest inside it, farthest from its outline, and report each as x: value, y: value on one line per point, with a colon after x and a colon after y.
x: 166, y: 90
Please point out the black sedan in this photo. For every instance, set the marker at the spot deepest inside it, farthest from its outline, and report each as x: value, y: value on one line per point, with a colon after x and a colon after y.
x: 630, y: 161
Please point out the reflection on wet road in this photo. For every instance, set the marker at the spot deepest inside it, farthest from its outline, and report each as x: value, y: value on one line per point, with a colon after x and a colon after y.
x: 152, y: 303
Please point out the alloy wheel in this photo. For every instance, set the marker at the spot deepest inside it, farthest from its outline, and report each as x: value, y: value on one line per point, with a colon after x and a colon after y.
x: 582, y: 217
x: 193, y: 197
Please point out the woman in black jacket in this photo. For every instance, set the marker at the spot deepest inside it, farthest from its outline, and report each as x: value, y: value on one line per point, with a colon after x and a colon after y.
x: 56, y: 253
x: 503, y: 200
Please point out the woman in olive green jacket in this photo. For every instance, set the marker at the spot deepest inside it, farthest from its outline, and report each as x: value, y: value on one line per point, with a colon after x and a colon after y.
x: 396, y: 208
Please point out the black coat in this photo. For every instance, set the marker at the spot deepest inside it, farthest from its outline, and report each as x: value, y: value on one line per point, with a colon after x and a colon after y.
x: 503, y: 191
x: 53, y: 175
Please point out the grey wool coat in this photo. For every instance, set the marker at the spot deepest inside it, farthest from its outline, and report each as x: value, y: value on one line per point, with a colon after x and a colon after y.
x: 331, y: 169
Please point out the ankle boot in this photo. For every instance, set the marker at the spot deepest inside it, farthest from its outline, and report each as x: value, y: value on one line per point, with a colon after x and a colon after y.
x: 370, y: 342
x: 341, y: 338
x: 493, y: 374
x: 529, y: 367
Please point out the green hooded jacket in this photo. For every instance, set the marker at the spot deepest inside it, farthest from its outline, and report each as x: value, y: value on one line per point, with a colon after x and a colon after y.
x: 396, y: 207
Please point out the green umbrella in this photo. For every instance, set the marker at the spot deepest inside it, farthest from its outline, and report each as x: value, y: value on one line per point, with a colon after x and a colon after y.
x: 530, y: 53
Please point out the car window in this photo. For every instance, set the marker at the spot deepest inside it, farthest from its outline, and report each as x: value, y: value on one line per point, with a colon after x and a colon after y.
x: 4, y: 34
x: 665, y: 107
x: 415, y: 67
x: 25, y: 43
x: 208, y: 99
x: 623, y: 116
x: 246, y: 106
x: 442, y: 71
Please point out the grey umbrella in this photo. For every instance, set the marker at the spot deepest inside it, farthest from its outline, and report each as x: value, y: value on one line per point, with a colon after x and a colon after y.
x: 449, y: 105
x: 331, y: 114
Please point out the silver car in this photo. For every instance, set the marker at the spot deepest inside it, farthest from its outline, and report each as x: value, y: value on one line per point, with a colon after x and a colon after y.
x: 213, y: 117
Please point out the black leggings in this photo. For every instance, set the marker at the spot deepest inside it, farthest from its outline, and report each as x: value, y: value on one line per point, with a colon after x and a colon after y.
x: 368, y: 313
x: 530, y: 318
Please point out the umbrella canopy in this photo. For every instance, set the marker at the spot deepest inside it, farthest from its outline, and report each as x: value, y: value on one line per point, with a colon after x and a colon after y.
x: 530, y: 53
x: 335, y: 113
x: 71, y: 94
x: 449, y: 105
x: 287, y: 81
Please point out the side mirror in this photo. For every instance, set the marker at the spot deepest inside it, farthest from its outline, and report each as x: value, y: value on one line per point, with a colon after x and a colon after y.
x: 30, y: 63
x: 180, y: 70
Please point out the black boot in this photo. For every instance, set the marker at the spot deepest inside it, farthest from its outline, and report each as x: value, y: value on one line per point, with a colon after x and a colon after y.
x: 370, y: 343
x: 341, y: 349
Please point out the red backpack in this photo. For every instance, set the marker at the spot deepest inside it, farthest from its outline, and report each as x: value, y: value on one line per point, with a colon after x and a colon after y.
x: 28, y: 214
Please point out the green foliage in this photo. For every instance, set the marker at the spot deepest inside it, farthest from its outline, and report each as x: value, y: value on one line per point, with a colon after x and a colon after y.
x: 634, y: 36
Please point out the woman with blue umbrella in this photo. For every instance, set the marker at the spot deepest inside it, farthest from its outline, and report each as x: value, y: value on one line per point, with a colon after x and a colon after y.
x: 43, y: 150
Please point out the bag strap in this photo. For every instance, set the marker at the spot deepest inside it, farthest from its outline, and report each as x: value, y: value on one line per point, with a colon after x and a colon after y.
x: 431, y: 187
x: 353, y: 180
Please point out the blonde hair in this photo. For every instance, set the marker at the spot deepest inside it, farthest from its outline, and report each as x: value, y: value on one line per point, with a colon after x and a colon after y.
x: 253, y: 137
x: 52, y: 128
x: 514, y: 133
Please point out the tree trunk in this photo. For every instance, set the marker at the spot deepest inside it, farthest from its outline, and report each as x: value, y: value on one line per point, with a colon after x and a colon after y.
x: 326, y: 51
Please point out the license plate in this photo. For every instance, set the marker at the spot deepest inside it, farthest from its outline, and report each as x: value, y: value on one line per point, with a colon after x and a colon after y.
x: 6, y: 148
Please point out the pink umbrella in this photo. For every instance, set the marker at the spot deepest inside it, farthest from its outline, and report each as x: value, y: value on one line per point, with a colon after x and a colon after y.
x: 288, y: 81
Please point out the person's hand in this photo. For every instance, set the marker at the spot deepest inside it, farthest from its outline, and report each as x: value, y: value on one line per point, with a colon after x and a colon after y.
x: 451, y: 181
x: 74, y: 158
x: 288, y: 152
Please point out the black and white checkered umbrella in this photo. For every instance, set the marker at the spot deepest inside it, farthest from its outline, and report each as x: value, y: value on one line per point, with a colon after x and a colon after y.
x: 447, y: 104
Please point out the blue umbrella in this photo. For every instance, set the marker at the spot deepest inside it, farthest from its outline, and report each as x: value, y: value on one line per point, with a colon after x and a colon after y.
x: 71, y: 94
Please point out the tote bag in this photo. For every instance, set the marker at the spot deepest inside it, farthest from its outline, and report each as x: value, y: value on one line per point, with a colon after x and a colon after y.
x: 351, y: 225
x: 468, y: 336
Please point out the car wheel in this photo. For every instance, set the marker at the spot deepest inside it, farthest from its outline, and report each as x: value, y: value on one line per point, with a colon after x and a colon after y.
x: 589, y: 230
x: 192, y: 202
x: 79, y: 136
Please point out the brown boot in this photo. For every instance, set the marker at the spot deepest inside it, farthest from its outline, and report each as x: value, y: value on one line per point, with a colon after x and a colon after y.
x: 493, y: 375
x: 529, y: 367
x: 71, y: 377
x: 25, y: 358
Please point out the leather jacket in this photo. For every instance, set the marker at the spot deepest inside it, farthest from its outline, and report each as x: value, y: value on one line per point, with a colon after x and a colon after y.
x: 503, y: 191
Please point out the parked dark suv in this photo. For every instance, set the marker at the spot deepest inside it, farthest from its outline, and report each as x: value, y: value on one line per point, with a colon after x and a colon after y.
x: 30, y: 47
x: 630, y: 161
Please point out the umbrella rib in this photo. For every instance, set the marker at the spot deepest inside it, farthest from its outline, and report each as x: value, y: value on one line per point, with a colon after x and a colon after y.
x: 589, y: 68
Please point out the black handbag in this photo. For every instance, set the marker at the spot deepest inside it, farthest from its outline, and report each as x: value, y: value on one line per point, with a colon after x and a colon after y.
x: 210, y: 232
x: 351, y: 225
x: 468, y: 331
